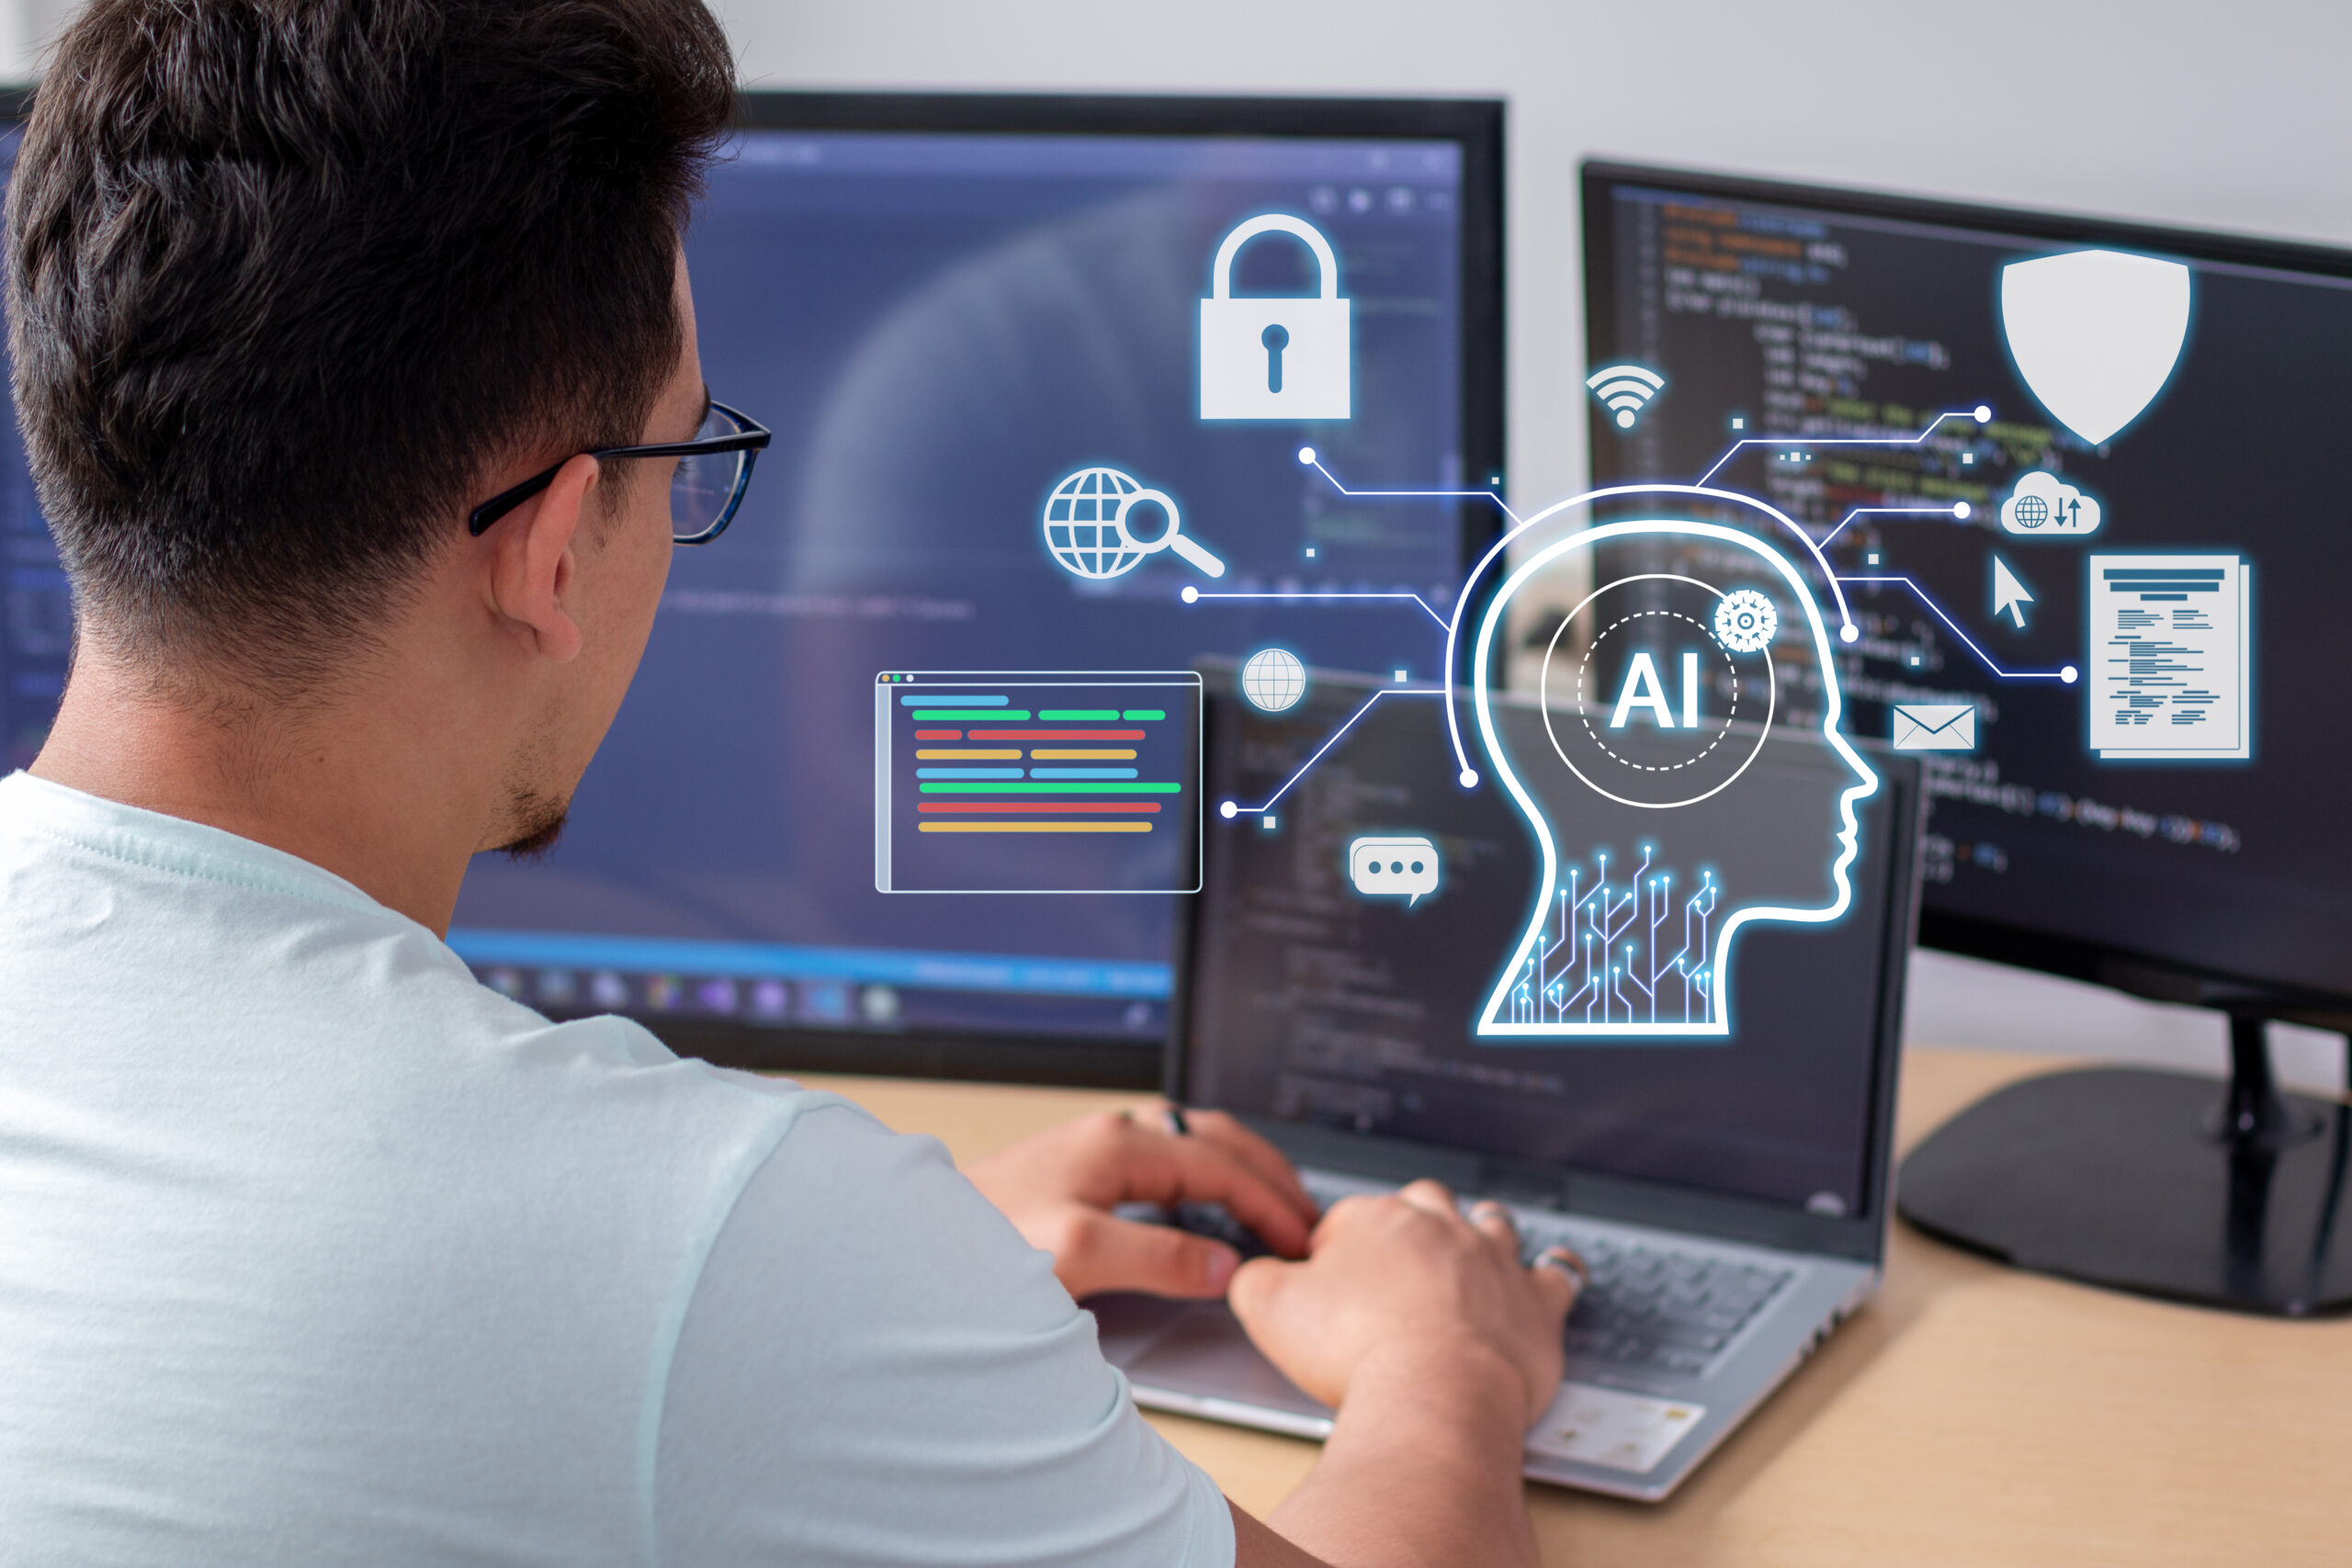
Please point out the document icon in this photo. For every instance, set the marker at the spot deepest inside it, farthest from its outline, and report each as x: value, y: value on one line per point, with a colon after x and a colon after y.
x: 1935, y: 726
x: 2171, y: 665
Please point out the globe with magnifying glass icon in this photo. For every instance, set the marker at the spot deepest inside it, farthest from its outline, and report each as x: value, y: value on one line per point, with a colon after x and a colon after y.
x: 1086, y: 530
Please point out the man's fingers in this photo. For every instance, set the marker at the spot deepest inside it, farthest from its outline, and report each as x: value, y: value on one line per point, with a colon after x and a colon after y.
x: 1493, y: 1221
x: 1560, y: 1275
x: 1170, y: 1169
x: 1216, y: 1127
x: 1433, y: 1197
x: 1105, y: 1254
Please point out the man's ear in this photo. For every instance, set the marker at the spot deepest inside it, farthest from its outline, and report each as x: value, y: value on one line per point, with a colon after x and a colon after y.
x: 534, y: 565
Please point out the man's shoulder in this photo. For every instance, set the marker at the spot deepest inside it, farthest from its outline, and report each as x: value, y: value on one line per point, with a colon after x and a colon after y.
x: 137, y: 948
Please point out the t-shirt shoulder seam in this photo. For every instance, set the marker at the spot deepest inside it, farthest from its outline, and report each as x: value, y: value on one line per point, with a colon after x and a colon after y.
x: 288, y: 886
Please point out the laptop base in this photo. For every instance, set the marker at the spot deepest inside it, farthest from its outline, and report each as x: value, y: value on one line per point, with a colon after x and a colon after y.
x: 1629, y: 1426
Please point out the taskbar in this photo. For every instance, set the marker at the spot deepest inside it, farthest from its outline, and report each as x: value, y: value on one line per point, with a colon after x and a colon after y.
x: 835, y: 990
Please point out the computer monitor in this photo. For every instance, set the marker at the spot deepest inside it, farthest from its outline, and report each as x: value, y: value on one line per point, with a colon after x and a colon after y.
x: 945, y: 307
x: 2078, y: 483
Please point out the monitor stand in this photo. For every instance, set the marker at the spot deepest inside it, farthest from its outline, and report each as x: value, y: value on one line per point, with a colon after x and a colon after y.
x: 2151, y: 1181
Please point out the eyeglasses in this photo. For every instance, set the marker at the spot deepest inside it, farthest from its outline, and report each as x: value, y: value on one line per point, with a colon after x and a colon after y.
x: 714, y: 470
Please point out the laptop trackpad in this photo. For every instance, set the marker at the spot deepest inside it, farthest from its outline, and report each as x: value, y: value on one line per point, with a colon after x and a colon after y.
x: 1208, y: 1356
x: 1125, y: 1325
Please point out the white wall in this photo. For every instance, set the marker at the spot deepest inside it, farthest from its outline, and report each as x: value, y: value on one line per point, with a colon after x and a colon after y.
x: 2218, y: 116
x: 2230, y: 116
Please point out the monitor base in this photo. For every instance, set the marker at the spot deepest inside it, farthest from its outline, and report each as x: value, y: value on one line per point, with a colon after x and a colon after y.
x: 2154, y: 1182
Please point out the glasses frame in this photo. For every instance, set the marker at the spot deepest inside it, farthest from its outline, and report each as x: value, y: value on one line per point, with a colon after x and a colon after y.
x: 752, y: 440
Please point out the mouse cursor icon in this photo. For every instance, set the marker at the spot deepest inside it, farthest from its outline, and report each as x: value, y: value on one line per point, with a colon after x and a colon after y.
x: 2008, y: 594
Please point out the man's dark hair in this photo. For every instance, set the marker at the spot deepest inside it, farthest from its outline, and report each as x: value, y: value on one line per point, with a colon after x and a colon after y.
x: 288, y: 277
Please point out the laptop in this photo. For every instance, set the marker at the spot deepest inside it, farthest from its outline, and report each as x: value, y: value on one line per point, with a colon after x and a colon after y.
x: 1731, y: 1195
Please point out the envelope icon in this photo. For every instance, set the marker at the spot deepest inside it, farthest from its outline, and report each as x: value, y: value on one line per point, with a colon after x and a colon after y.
x: 1935, y: 726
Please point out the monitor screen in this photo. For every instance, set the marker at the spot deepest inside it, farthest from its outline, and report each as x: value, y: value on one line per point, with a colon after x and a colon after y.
x: 947, y: 330
x: 957, y: 314
x: 2076, y: 484
x: 1317, y: 1001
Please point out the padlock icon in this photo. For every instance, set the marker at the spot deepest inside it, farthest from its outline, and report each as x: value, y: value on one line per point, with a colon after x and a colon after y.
x: 1279, y: 358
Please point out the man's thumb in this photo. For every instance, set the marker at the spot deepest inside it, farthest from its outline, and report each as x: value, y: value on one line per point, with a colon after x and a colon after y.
x: 1255, y: 1286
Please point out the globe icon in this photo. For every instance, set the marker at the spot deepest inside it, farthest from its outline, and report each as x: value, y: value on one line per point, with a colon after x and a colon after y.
x: 2032, y: 512
x: 1274, y: 679
x: 1083, y: 530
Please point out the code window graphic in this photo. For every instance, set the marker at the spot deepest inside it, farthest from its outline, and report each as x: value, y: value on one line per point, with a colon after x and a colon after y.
x: 1031, y: 781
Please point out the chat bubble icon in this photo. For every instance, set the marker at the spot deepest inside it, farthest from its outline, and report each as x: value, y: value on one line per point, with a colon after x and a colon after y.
x: 1393, y: 868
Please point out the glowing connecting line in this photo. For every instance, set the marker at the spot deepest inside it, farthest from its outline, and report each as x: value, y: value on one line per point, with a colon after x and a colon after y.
x: 1848, y: 632
x: 1469, y: 776
x: 1958, y: 510
x: 1612, y: 964
x: 1230, y: 810
x: 1306, y: 456
x: 1193, y: 595
x: 2066, y: 672
x: 1980, y: 413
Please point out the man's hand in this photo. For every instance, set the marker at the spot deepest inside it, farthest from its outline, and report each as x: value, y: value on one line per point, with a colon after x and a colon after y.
x: 1058, y: 1187
x: 1407, y: 1279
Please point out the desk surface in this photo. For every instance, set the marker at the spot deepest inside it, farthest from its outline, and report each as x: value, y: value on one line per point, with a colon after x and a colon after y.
x: 1970, y: 1415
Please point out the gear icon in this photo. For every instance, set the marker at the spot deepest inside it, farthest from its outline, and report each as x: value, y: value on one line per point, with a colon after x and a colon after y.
x: 1746, y: 621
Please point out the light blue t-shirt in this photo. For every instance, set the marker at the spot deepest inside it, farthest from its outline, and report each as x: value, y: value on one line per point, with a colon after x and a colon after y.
x: 314, y: 1250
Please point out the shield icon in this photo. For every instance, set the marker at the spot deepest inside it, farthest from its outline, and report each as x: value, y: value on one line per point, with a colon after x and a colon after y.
x: 2094, y: 333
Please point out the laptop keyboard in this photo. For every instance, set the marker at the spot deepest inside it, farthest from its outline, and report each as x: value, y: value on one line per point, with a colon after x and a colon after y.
x: 1650, y: 1303
x: 1653, y: 1305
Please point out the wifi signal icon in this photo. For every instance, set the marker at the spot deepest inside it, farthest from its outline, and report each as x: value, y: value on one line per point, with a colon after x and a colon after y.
x: 1624, y: 390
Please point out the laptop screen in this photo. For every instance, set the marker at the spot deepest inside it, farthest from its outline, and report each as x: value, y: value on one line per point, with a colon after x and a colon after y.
x: 1316, y: 1005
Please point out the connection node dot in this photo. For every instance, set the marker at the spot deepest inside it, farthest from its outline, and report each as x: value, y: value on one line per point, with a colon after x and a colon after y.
x: 1625, y: 419
x: 1307, y: 455
x: 1227, y: 809
x: 1849, y: 632
x: 1469, y: 779
x: 1191, y: 595
x: 1959, y: 509
x: 2070, y: 674
x: 1984, y: 414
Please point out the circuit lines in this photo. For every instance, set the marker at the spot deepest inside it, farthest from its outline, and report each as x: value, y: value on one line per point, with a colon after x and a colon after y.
x: 1193, y: 595
x: 1232, y: 808
x: 1621, y: 955
x: 1957, y: 510
x: 2065, y: 673
x: 1981, y: 414
x: 1848, y: 631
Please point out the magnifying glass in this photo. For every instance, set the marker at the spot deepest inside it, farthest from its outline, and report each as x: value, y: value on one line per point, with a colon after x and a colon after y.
x: 1172, y: 538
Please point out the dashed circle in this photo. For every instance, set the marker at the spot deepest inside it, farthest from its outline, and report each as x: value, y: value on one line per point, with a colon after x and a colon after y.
x: 1585, y: 718
x: 1544, y: 701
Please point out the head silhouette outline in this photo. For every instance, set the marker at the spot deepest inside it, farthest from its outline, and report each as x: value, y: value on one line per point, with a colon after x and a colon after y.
x: 1683, y: 773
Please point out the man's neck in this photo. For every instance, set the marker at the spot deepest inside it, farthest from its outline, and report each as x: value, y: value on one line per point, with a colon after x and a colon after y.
x: 373, y: 787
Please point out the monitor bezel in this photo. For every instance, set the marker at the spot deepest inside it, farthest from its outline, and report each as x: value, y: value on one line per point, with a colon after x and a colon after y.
x: 1860, y: 1236
x: 2135, y: 971
x: 1476, y: 125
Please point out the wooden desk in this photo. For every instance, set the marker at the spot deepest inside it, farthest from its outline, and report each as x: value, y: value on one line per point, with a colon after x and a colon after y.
x: 1970, y: 1415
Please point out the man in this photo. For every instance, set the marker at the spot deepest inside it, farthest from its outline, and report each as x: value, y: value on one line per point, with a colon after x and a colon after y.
x: 310, y: 1248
